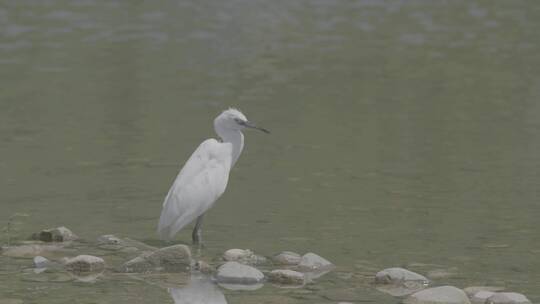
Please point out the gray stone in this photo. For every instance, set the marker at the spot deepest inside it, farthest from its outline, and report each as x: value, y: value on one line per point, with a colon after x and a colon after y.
x: 287, y: 258
x: 58, y: 234
x: 175, y: 258
x: 312, y: 262
x: 398, y: 275
x: 438, y: 295
x: 286, y: 277
x: 508, y: 298
x: 237, y: 273
x: 481, y: 296
x: 85, y: 263
x: 471, y: 291
x: 41, y: 262
x: 244, y: 256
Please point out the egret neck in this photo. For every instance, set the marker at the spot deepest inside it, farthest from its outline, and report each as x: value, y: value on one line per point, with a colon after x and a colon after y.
x: 235, y: 138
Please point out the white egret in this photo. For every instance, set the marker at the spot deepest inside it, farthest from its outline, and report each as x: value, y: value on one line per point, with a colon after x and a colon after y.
x: 204, y: 176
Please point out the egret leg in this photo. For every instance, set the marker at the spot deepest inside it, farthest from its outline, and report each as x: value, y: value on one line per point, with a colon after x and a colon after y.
x: 196, y: 236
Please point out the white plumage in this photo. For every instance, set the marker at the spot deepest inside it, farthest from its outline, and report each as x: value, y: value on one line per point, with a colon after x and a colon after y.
x: 204, y: 177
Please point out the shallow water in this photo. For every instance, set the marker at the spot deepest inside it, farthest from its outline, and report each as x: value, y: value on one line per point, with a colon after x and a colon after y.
x: 404, y: 133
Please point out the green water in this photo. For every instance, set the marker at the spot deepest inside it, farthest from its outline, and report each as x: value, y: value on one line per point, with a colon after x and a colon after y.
x: 404, y: 133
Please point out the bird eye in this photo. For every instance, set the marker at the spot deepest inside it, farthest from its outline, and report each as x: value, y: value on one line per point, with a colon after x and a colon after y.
x: 240, y: 121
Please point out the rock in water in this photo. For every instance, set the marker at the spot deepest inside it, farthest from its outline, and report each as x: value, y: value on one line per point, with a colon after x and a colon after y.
x: 237, y: 273
x: 58, y: 234
x: 287, y: 258
x: 400, y: 282
x: 508, y: 298
x: 398, y: 275
x: 112, y: 242
x: 438, y: 295
x: 30, y: 251
x: 85, y: 263
x: 481, y: 297
x: 41, y: 262
x: 175, y: 258
x: 244, y: 256
x: 471, y: 291
x: 312, y: 262
x: 286, y: 277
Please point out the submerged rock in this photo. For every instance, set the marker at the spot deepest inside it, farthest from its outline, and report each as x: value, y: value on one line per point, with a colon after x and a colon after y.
x: 32, y: 250
x: 436, y: 295
x: 175, y: 258
x: 287, y: 258
x: 312, y: 262
x: 204, y: 267
x: 237, y: 273
x: 112, y: 242
x: 244, y: 256
x: 398, y: 275
x: 85, y: 263
x: 508, y: 298
x: 58, y: 234
x: 286, y: 277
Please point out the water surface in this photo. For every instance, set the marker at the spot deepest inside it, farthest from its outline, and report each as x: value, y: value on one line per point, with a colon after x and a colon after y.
x: 404, y: 133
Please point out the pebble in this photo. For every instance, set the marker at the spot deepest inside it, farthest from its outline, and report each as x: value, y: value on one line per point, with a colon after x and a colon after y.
x: 85, y: 263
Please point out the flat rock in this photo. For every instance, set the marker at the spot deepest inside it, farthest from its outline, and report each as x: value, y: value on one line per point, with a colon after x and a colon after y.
x: 508, y: 298
x: 398, y: 275
x: 472, y: 290
x: 58, y: 234
x: 287, y: 258
x: 438, y: 295
x: 113, y: 242
x: 237, y: 273
x: 33, y: 250
x: 85, y: 263
x: 312, y: 262
x: 481, y: 296
x: 175, y: 258
x: 244, y: 256
x: 286, y: 277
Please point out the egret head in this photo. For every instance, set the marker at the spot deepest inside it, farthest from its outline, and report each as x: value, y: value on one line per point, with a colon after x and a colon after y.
x: 234, y: 120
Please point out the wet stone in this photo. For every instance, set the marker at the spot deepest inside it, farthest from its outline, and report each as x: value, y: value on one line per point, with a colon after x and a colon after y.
x: 472, y: 290
x: 312, y: 262
x: 481, y: 296
x: 286, y: 277
x: 398, y: 275
x: 244, y: 256
x: 175, y: 258
x: 32, y: 250
x: 112, y: 242
x: 41, y: 262
x: 237, y: 273
x: 85, y: 263
x: 438, y: 295
x: 508, y: 298
x: 58, y: 234
x: 287, y: 258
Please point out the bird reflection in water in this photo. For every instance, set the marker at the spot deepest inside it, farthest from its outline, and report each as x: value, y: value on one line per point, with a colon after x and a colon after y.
x: 200, y: 290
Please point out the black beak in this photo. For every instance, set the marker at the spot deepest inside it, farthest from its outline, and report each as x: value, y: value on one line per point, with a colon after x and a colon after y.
x: 248, y: 124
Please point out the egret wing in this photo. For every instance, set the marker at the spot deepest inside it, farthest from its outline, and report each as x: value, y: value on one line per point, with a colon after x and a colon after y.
x: 199, y: 184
